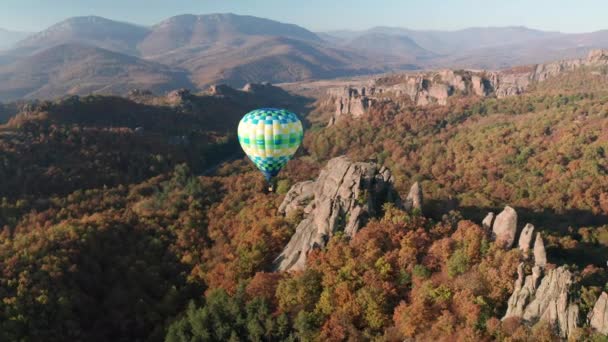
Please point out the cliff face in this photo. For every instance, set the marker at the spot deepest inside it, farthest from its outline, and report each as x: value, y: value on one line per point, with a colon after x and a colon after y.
x: 548, y: 301
x: 342, y: 198
x: 436, y: 87
x: 598, y: 318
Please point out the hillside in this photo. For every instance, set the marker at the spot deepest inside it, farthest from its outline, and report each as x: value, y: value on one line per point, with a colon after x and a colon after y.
x: 91, y: 31
x: 485, y: 47
x: 381, y: 44
x: 76, y: 69
x: 200, y: 50
x: 121, y: 140
x: 8, y: 38
x: 449, y: 42
x: 273, y: 59
x: 215, y: 29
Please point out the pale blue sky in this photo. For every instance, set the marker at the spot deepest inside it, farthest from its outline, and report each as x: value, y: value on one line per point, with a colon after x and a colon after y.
x: 557, y: 15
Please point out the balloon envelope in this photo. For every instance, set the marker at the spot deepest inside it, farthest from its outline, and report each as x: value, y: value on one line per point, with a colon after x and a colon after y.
x: 270, y: 137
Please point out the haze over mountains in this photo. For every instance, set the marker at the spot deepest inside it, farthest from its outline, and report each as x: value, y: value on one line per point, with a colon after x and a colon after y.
x: 84, y: 55
x: 8, y: 38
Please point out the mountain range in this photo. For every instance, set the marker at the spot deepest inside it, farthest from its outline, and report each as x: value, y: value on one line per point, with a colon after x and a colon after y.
x: 85, y: 55
x: 9, y: 38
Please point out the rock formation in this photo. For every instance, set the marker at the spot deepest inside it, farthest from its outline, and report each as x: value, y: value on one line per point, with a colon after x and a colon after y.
x: 525, y: 287
x: 598, y: 317
x: 298, y: 197
x: 525, y: 238
x: 505, y: 227
x: 221, y: 90
x: 437, y: 86
x: 549, y: 302
x: 342, y: 198
x: 179, y: 96
x: 540, y: 255
x: 487, y: 221
x: 350, y: 101
x: 414, y: 198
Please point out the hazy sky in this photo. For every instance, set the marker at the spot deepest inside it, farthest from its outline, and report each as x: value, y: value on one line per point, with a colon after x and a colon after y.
x: 558, y: 15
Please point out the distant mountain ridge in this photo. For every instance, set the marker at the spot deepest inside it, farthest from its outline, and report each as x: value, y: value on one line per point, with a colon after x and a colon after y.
x: 201, y: 30
x: 485, y: 47
x: 73, y: 69
x: 92, y: 30
x: 200, y: 50
x: 182, y: 51
x: 8, y: 38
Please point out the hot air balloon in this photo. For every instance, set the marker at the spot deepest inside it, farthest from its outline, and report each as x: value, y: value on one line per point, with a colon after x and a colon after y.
x: 270, y: 137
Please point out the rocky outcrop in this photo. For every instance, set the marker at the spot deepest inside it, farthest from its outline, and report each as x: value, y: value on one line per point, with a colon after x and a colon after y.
x: 179, y: 96
x: 221, y: 90
x: 540, y: 254
x: 488, y: 221
x: 550, y: 301
x: 350, y: 101
x: 525, y: 238
x: 525, y: 287
x: 505, y: 227
x: 481, y: 86
x: 437, y: 86
x: 344, y: 196
x: 598, y: 317
x: 298, y: 198
x: 414, y: 198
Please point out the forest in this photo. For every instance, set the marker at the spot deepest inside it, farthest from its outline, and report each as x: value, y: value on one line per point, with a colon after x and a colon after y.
x: 110, y: 232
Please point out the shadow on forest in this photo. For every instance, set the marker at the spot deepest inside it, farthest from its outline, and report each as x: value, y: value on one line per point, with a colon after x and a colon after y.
x: 126, y: 283
x: 550, y: 222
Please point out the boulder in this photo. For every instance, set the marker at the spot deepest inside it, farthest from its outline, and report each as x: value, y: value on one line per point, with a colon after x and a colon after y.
x: 598, y: 317
x: 525, y: 238
x: 505, y: 227
x: 487, y: 221
x: 540, y: 255
x: 549, y: 302
x: 344, y: 196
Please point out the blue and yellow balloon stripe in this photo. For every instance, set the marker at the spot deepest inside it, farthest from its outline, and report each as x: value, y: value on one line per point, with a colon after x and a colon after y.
x: 270, y: 137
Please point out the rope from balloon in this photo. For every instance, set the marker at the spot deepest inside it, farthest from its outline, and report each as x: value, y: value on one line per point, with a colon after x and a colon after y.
x: 269, y: 179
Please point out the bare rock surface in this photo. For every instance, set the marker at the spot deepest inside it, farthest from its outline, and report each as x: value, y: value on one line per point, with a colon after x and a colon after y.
x: 414, y: 198
x: 435, y: 87
x: 350, y: 101
x: 344, y: 196
x: 487, y: 221
x: 525, y: 238
x: 550, y: 301
x: 505, y: 227
x: 178, y: 96
x: 598, y: 317
x: 540, y: 254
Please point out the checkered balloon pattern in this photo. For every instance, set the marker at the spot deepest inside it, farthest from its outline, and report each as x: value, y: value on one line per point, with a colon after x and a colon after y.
x: 270, y: 137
